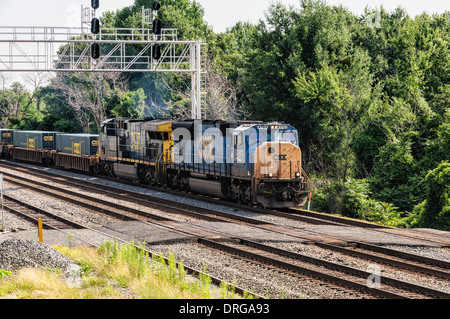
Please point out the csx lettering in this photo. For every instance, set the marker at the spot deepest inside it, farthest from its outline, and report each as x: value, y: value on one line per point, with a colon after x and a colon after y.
x: 280, y: 158
x: 135, y: 138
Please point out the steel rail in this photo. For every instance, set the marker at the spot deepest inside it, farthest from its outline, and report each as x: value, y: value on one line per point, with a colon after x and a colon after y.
x: 48, y: 225
x: 38, y: 213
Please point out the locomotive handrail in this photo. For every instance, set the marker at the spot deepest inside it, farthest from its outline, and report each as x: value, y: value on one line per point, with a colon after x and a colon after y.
x: 306, y: 177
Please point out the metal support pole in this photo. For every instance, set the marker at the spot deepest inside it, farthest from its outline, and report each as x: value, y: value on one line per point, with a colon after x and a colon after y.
x: 193, y: 84
x: 196, y: 94
x: 198, y: 84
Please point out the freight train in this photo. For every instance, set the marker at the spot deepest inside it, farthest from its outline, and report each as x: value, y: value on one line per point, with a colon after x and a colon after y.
x: 247, y: 162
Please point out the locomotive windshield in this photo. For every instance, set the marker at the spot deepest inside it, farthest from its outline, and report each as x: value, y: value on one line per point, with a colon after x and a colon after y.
x: 290, y: 137
x: 263, y: 137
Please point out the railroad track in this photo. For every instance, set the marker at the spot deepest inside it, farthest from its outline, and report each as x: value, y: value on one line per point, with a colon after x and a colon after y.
x: 260, y: 258
x: 330, y: 272
x: 33, y: 214
x: 209, y: 214
x: 291, y: 214
x: 296, y: 214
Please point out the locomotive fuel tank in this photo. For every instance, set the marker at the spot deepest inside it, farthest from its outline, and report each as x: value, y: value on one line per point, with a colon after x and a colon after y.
x: 208, y: 187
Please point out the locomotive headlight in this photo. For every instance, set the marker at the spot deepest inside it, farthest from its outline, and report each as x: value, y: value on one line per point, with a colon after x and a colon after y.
x: 297, y: 174
x: 270, y: 175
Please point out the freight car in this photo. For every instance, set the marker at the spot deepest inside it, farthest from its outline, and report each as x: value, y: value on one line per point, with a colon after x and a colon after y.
x: 52, y: 148
x: 248, y: 162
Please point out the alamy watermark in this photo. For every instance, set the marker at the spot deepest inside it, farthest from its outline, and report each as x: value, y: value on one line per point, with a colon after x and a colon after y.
x: 258, y: 144
x: 373, y: 20
x: 374, y: 280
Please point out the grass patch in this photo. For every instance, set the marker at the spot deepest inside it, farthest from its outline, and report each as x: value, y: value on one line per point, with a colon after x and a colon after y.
x: 111, y: 272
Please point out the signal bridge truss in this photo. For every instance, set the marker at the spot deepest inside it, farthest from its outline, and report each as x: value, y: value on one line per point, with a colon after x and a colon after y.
x: 64, y: 49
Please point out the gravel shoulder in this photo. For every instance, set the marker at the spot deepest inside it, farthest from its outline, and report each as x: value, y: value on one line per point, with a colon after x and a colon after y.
x: 16, y: 254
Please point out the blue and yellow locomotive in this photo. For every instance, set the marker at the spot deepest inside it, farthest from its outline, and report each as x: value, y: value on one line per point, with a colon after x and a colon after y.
x: 249, y: 162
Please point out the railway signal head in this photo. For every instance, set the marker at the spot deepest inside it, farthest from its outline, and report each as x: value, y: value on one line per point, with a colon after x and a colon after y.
x: 95, y: 26
x: 156, y: 6
x: 95, y: 4
x: 95, y: 50
x: 156, y: 52
x: 157, y: 26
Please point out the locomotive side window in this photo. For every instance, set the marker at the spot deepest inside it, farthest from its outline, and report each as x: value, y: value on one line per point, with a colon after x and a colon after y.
x: 252, y: 138
x: 110, y: 130
x: 239, y: 140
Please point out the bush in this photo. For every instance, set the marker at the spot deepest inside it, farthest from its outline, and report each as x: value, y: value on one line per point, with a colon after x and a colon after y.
x: 434, y: 212
x: 348, y: 199
x: 354, y: 199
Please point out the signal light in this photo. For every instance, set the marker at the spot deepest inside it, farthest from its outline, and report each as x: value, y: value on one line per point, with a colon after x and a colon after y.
x: 95, y: 4
x: 156, y: 52
x: 157, y: 26
x: 95, y: 50
x: 95, y: 26
x: 156, y: 6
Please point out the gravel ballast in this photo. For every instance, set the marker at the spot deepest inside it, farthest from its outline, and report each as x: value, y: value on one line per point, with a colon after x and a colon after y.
x: 16, y: 254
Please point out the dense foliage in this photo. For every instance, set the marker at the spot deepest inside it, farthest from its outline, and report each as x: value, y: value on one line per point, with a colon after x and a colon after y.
x: 369, y: 94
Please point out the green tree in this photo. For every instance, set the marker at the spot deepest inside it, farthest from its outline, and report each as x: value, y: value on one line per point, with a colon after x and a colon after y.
x: 132, y: 105
x: 342, y: 96
x: 434, y: 212
x: 15, y: 104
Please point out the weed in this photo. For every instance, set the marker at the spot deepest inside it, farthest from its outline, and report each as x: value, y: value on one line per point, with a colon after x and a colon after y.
x: 4, y: 273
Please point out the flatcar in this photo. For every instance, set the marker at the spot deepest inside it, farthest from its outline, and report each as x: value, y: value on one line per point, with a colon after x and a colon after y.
x: 248, y: 162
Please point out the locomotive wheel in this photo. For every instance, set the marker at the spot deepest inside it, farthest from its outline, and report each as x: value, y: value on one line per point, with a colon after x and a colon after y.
x: 110, y: 170
x: 148, y: 177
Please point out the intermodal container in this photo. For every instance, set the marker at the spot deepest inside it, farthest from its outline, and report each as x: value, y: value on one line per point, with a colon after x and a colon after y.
x: 34, y: 139
x: 77, y: 144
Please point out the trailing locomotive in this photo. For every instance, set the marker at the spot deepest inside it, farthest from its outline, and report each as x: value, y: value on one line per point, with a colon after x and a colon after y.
x: 248, y: 162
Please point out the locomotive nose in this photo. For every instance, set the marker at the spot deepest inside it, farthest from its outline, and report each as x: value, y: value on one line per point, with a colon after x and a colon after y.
x: 281, y: 160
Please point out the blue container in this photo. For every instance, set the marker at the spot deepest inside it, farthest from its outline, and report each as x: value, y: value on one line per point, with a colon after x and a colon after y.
x: 34, y: 139
x: 77, y: 144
